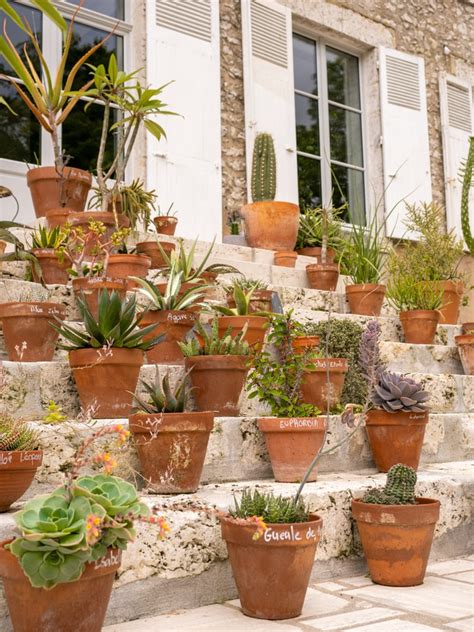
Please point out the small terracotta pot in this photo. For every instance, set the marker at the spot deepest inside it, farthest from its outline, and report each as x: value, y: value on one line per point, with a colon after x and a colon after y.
x: 452, y: 295
x: 285, y: 259
x: 150, y: 249
x: 397, y: 539
x: 314, y: 387
x: 174, y: 325
x: 292, y: 443
x: 419, y: 326
x: 322, y: 276
x: 256, y: 328
x: 90, y: 288
x: 218, y: 382
x: 366, y: 298
x: 467, y: 328
x: 271, y: 225
x: 106, y: 380
x: 27, y: 330
x: 58, y: 216
x: 45, y: 188
x: 172, y: 448
x: 108, y: 219
x: 17, y: 471
x: 396, y: 437
x: 54, y: 267
x: 315, y: 251
x: 123, y: 266
x: 165, y: 224
x: 3, y: 245
x: 465, y: 344
x: 78, y: 606
x: 301, y: 343
x: 272, y: 573
x: 260, y: 301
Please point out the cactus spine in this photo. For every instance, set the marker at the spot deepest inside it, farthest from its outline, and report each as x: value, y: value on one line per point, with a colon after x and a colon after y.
x: 263, y: 169
x: 468, y: 170
x: 399, y: 488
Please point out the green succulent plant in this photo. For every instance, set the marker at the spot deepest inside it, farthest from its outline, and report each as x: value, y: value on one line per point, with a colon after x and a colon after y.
x: 242, y: 299
x: 399, y: 488
x: 16, y: 434
x: 213, y: 344
x: 183, y: 262
x: 173, y: 298
x: 246, y: 284
x: 467, y: 172
x: 163, y: 398
x: 263, y: 181
x: 315, y: 223
x: 44, y: 237
x: 273, y: 509
x: 405, y: 293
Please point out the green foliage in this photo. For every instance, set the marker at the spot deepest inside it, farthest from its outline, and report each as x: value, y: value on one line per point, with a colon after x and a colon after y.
x: 213, y: 344
x: 272, y: 509
x: 406, y: 293
x: 136, y: 203
x: 173, y: 298
x: 263, y: 181
x: 163, y: 398
x: 399, y: 488
x: 246, y: 284
x: 16, y: 434
x: 242, y: 299
x: 363, y: 253
x: 54, y: 414
x: 20, y: 253
x: 466, y: 173
x: 314, y: 223
x: 44, y: 237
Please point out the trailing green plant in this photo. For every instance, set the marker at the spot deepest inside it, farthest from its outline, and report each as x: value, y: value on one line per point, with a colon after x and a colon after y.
x: 363, y: 254
x: 173, y: 298
x: 162, y: 397
x: 245, y: 284
x: 467, y: 171
x: 136, y: 203
x: 269, y: 508
x: 211, y: 343
x: 54, y: 414
x: 399, y: 488
x: 50, y: 238
x: 263, y: 182
x: 406, y: 293
x: 16, y: 434
x: 242, y: 298
x: 315, y: 223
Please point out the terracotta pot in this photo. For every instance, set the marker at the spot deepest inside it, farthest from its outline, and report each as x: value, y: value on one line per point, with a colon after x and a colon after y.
x: 78, y: 606
x: 256, y: 328
x: 397, y: 539
x: 273, y: 572
x: 17, y: 471
x: 58, y: 216
x: 174, y: 326
x: 285, y: 259
x: 3, y: 245
x: 45, y: 188
x: 150, y: 249
x: 365, y: 299
x: 261, y: 301
x: 467, y: 328
x: 465, y: 345
x: 54, y: 267
x: 292, y: 444
x: 165, y: 224
x: 218, y: 382
x: 314, y: 387
x: 106, y: 380
x: 315, y: 251
x: 172, y: 448
x: 396, y: 437
x: 122, y: 266
x: 271, y: 225
x: 90, y: 288
x: 108, y: 219
x: 452, y: 296
x: 419, y: 326
x: 322, y: 276
x: 27, y: 330
x: 301, y: 343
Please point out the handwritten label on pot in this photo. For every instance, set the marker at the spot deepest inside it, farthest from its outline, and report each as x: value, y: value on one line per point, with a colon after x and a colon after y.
x: 291, y: 534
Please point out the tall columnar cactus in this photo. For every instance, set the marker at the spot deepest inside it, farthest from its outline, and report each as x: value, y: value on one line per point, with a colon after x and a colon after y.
x: 263, y: 169
x: 399, y: 488
x: 467, y: 174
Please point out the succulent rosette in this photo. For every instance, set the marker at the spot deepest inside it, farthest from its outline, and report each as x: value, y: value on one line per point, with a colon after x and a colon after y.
x: 395, y: 393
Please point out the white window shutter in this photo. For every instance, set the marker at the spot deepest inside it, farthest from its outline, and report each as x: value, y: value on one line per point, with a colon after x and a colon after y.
x: 406, y: 153
x: 269, y: 88
x: 185, y: 169
x: 456, y: 128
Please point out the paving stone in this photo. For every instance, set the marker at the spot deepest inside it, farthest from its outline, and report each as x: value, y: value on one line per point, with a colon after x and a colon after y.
x: 466, y: 625
x: 347, y: 619
x: 467, y: 576
x: 330, y: 586
x: 451, y: 566
x: 395, y: 625
x: 358, y: 581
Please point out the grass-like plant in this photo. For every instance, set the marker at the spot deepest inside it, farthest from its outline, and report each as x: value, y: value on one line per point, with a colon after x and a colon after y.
x: 173, y: 298
x: 162, y: 397
x: 407, y: 293
x: 269, y: 508
x: 213, y: 344
x: 364, y: 253
x: 16, y: 434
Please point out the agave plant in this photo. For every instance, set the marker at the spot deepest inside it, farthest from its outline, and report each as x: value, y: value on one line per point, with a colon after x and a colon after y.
x: 396, y: 392
x: 163, y: 398
x: 213, y: 344
x: 246, y: 284
x: 51, y: 238
x: 173, y: 298
x: 16, y: 434
x: 315, y: 224
x: 242, y: 299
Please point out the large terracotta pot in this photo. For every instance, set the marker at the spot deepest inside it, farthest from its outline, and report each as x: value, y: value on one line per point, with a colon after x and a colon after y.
x: 396, y: 437
x: 78, y: 606
x: 218, y: 382
x: 172, y: 448
x: 272, y: 573
x: 256, y: 328
x: 150, y: 249
x: 301, y: 344
x: 3, y: 245
x: 108, y: 219
x: 27, y: 330
x: 58, y: 216
x: 45, y: 188
x: 106, y: 379
x: 54, y: 267
x: 366, y: 298
x: 322, y: 276
x: 314, y: 387
x: 467, y: 328
x: 452, y: 296
x: 465, y: 345
x: 17, y: 470
x: 90, y: 288
x: 419, y: 325
x: 122, y: 266
x: 165, y: 224
x: 260, y: 301
x: 271, y: 225
x: 174, y: 325
x: 292, y: 444
x: 315, y: 251
x: 286, y: 259
x: 397, y: 539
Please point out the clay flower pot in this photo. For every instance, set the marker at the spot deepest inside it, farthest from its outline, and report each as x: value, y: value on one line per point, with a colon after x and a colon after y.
x: 419, y: 326
x: 271, y: 225
x: 218, y: 381
x: 256, y: 328
x: 452, y: 296
x: 292, y: 443
x: 467, y: 328
x: 366, y: 298
x: 106, y: 379
x: 315, y: 251
x: 122, y: 266
x: 108, y: 219
x: 260, y: 301
x: 27, y: 330
x: 174, y: 325
x: 90, y: 288
x: 165, y: 224
x: 172, y: 448
x: 46, y: 188
x: 54, y: 267
x: 397, y: 539
x: 273, y: 572
x: 17, y: 471
x: 465, y: 344
x: 58, y: 216
x: 301, y: 343
x: 3, y: 245
x: 322, y: 276
x: 78, y: 606
x: 285, y: 259
x: 396, y: 437
x: 314, y: 387
x: 150, y: 249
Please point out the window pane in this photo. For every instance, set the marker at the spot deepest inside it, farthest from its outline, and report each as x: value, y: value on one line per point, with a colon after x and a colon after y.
x: 348, y: 188
x: 307, y: 124
x: 304, y: 62
x: 346, y: 136
x: 309, y: 182
x: 114, y: 8
x: 343, y: 78
x: 20, y: 134
x: 18, y: 37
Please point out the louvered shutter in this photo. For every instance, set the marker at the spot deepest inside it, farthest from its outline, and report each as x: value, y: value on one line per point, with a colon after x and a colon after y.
x: 457, y: 127
x: 405, y: 146
x: 185, y: 169
x: 269, y: 88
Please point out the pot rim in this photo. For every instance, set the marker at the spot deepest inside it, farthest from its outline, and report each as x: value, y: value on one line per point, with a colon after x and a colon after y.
x: 402, y: 515
x: 396, y: 418
x: 464, y: 339
x: 166, y: 218
x: 35, y: 173
x: 257, y: 321
x: 420, y: 314
x: 78, y: 357
x: 372, y: 288
x: 279, y: 203
x: 17, y: 464
x: 242, y: 523
x: 236, y: 361
x: 136, y: 425
x: 321, y: 267
x: 163, y: 243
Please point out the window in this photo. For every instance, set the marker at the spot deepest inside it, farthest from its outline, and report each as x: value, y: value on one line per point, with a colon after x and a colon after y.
x: 329, y: 140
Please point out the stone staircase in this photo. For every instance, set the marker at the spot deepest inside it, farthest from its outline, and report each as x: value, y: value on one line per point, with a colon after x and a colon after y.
x: 189, y: 568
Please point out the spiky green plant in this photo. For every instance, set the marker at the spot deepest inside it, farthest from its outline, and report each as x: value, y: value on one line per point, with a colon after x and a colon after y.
x: 16, y: 434
x: 363, y: 253
x: 44, y: 237
x: 213, y: 344
x: 263, y: 169
x: 312, y: 225
x: 163, y: 398
x: 242, y: 299
x: 183, y: 262
x: 399, y: 488
x: 273, y: 509
x: 247, y: 284
x: 173, y: 298
x: 467, y: 173
x: 407, y: 293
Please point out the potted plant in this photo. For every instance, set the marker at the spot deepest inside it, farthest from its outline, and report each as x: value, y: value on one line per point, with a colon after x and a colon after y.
x: 159, y: 252
x: 465, y: 345
x: 396, y: 529
x: 286, y: 259
x: 261, y: 299
x: 268, y: 224
x: 171, y: 441
x: 213, y: 360
x: 20, y: 251
x: 46, y: 246
x: 123, y: 262
x: 324, y: 274
x: 309, y: 241
x: 165, y: 223
x: 106, y: 354
x: 132, y: 201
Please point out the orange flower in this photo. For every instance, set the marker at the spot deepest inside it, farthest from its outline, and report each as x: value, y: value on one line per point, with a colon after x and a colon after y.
x: 161, y: 522
x: 107, y: 461
x: 260, y: 524
x: 122, y: 432
x: 93, y: 524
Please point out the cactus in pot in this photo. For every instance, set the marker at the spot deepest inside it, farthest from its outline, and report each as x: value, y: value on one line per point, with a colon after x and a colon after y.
x: 263, y: 169
x: 399, y: 488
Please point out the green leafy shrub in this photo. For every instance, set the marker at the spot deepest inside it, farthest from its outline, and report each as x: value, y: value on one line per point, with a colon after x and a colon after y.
x: 272, y: 509
x: 399, y: 488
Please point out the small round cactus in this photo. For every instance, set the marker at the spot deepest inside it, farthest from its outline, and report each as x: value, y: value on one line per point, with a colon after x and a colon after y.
x: 263, y: 169
x: 399, y: 488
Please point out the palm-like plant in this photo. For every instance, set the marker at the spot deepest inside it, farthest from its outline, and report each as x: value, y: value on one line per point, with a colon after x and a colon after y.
x: 173, y: 298
x: 163, y: 398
